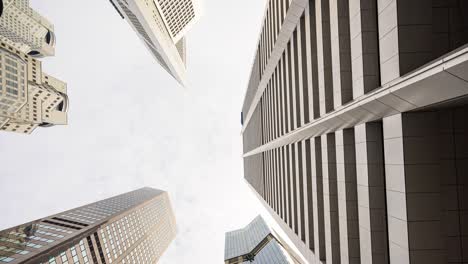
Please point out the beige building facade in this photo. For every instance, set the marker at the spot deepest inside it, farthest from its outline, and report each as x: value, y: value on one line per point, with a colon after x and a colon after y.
x: 29, y: 98
x: 135, y: 227
x: 162, y: 25
x: 26, y: 30
x: 355, y: 132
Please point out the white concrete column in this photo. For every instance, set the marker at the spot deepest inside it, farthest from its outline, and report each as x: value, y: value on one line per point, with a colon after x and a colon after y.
x: 291, y: 166
x: 262, y: 117
x: 262, y: 53
x: 299, y: 72
x: 313, y: 84
x: 304, y: 59
x: 413, y: 188
x: 325, y: 78
x: 273, y: 181
x: 371, y: 193
x: 330, y: 194
x: 270, y: 111
x: 267, y: 177
x: 341, y: 52
x: 302, y: 203
x: 281, y: 182
x: 288, y: 112
x: 266, y: 100
x: 308, y: 56
x: 278, y: 102
x: 388, y: 41
x: 270, y: 178
x: 286, y: 189
x: 347, y: 196
x: 317, y: 196
x: 282, y: 97
x: 274, y: 21
x: 308, y: 190
x: 278, y: 179
x: 268, y: 32
x: 294, y: 175
x: 274, y: 107
x: 364, y: 46
x: 405, y: 36
x: 293, y: 83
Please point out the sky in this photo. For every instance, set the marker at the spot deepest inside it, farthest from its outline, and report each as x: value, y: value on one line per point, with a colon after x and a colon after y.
x: 131, y: 125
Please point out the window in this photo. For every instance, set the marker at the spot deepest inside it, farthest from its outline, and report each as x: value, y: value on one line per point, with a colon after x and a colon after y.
x: 6, y: 259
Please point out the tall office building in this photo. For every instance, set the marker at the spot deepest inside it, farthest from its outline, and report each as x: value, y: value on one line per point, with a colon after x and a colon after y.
x: 29, y: 98
x: 162, y: 25
x: 354, y: 128
x: 135, y: 227
x: 258, y: 244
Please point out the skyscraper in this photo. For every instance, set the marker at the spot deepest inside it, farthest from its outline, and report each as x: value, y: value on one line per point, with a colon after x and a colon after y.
x: 258, y: 244
x: 135, y: 227
x: 162, y: 25
x: 354, y: 128
x: 28, y: 97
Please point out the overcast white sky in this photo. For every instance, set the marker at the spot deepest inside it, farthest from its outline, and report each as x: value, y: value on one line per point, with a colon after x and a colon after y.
x: 131, y: 125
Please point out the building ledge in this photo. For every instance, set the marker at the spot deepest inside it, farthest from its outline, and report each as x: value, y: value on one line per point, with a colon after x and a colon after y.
x: 443, y: 80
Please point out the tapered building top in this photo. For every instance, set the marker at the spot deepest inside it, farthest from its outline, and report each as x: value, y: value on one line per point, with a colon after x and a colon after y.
x: 162, y: 25
x: 257, y: 243
x: 134, y: 227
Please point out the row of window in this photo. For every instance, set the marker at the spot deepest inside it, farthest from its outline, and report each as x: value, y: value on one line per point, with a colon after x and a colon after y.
x: 178, y: 14
x: 121, y: 235
x: 22, y: 243
x: 44, y: 226
x: 14, y: 250
x: 28, y: 237
x: 23, y: 236
x: 75, y: 259
x: 6, y: 259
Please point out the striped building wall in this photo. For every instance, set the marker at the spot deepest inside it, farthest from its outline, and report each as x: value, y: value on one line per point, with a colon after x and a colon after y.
x: 354, y: 128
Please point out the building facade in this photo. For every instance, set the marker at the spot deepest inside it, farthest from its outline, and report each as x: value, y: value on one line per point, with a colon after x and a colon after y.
x: 29, y: 98
x: 355, y: 132
x: 26, y: 30
x: 257, y: 243
x: 162, y: 25
x: 135, y: 227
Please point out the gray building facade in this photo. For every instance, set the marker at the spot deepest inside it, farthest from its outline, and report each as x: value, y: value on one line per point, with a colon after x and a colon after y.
x: 355, y: 131
x: 135, y: 227
x: 258, y: 244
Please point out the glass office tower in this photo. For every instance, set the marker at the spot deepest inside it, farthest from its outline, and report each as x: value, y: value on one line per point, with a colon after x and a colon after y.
x: 135, y: 227
x: 257, y: 244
